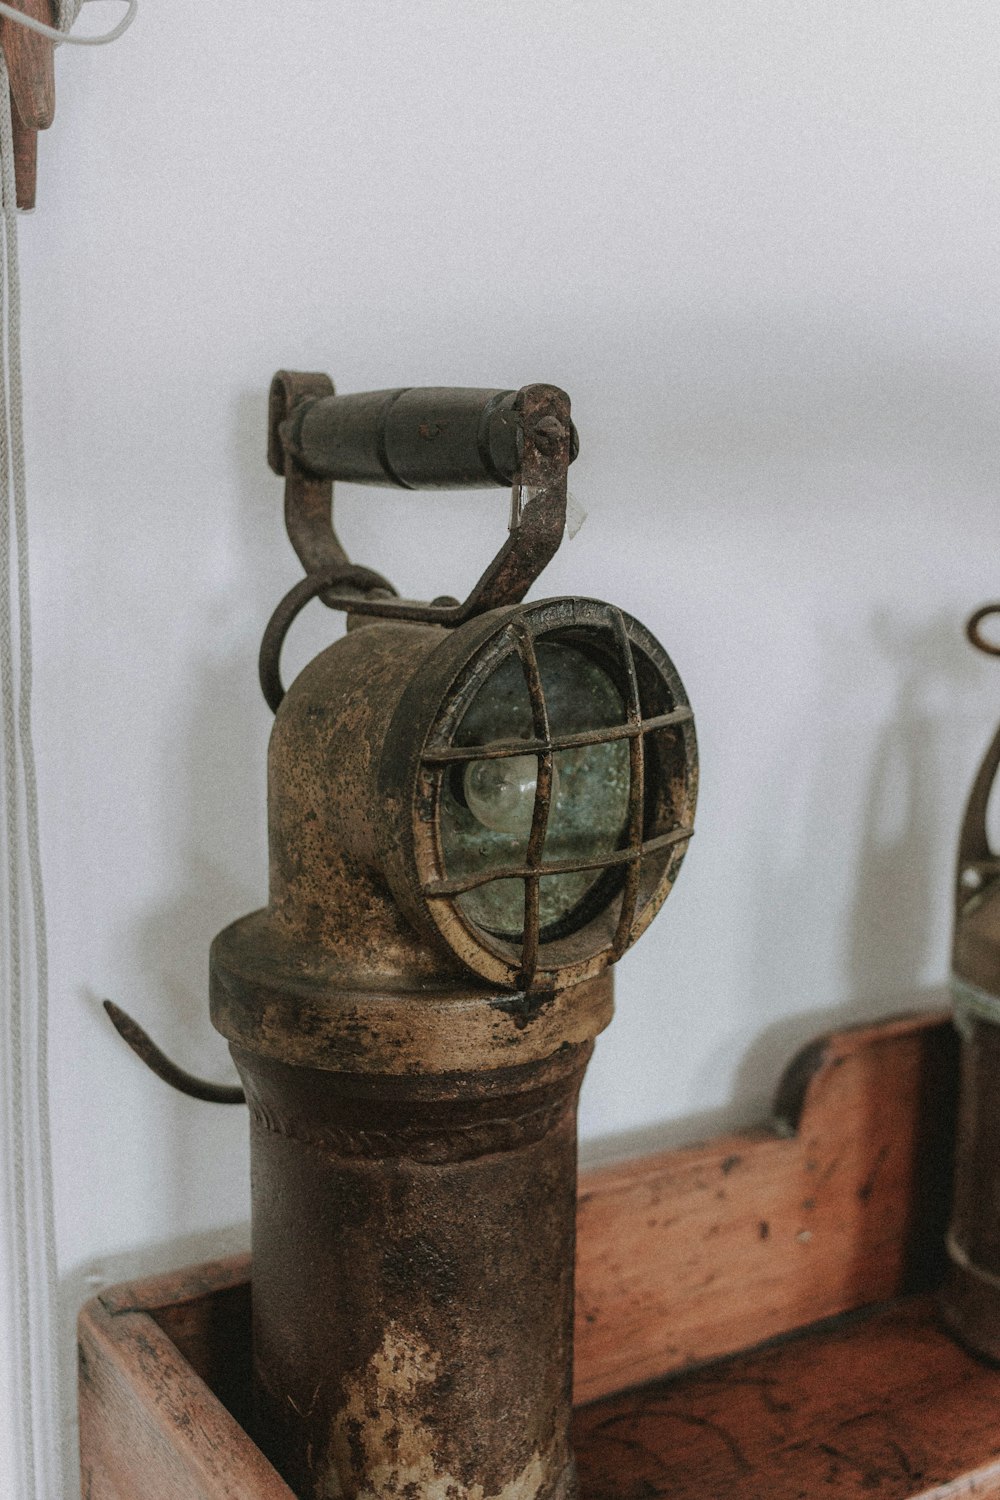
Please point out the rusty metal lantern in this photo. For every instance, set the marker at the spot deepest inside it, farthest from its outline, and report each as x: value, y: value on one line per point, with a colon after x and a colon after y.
x: 970, y: 1297
x: 473, y: 810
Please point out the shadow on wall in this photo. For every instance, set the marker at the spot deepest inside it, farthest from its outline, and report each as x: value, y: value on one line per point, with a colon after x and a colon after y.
x: 900, y: 907
x: 901, y: 896
x: 216, y: 845
x: 217, y: 849
x: 899, y: 911
x: 905, y: 843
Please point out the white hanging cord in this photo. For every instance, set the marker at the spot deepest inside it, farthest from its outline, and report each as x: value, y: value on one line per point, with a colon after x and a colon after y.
x: 26, y: 1048
x: 24, y: 953
x: 56, y: 34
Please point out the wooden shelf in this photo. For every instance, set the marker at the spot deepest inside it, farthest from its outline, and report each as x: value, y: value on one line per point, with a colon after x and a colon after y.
x: 880, y: 1404
x: 685, y: 1259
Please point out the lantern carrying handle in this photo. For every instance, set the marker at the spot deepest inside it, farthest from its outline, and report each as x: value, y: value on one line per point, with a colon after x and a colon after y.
x: 413, y: 438
x: 978, y: 862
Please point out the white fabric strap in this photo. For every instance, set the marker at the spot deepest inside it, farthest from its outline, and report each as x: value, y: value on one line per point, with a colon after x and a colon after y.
x: 60, y: 34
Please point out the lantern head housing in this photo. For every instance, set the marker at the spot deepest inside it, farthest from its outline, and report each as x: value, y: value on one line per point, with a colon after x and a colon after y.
x: 516, y: 780
x: 521, y: 785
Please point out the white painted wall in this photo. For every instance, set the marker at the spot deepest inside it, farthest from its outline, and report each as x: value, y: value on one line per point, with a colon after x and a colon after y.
x: 757, y: 243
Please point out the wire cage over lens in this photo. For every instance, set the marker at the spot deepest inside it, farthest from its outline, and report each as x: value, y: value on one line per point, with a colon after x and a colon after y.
x: 631, y: 877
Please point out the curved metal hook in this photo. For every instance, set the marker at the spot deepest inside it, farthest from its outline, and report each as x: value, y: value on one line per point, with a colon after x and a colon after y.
x: 974, y: 633
x: 313, y: 585
x: 185, y: 1083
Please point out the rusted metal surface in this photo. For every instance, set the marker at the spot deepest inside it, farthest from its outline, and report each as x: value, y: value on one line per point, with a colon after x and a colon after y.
x: 970, y: 1300
x: 673, y: 1269
x: 970, y: 1297
x: 627, y: 856
x: 455, y: 427
x: 659, y: 728
x: 147, y: 1051
x: 412, y: 1076
x: 413, y: 1134
x: 449, y: 754
x: 357, y: 764
x: 412, y: 438
x: 441, y: 438
x: 412, y: 1283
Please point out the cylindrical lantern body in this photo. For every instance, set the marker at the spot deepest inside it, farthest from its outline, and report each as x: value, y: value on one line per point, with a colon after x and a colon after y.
x: 970, y: 1297
x: 412, y: 1077
x: 413, y: 1277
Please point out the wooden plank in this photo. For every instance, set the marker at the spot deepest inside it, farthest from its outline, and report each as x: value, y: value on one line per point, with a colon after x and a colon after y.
x: 173, y: 1289
x: 149, y: 1426
x: 31, y: 70
x: 205, y: 1311
x: 31, y: 64
x: 691, y: 1254
x: 882, y: 1404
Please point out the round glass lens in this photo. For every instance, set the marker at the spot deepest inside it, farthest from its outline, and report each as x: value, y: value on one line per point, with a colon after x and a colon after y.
x: 487, y: 805
x: 500, y: 794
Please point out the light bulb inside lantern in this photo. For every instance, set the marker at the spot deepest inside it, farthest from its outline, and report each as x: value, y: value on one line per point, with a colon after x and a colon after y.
x: 501, y: 793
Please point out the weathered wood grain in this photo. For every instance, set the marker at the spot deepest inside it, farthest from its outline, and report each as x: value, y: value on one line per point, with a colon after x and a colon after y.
x: 31, y: 70
x: 150, y: 1426
x: 682, y: 1257
x: 30, y: 64
x: 883, y: 1405
x: 692, y: 1254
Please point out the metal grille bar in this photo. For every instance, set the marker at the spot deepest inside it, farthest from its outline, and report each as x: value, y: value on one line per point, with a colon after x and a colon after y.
x: 459, y: 884
x: 533, y: 869
x: 636, y: 791
x: 543, y: 801
x: 447, y: 754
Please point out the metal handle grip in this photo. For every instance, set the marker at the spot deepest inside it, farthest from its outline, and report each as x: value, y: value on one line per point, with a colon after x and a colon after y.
x: 435, y: 439
x: 415, y: 438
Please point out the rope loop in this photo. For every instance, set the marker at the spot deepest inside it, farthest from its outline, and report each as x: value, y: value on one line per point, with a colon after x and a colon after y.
x: 56, y: 34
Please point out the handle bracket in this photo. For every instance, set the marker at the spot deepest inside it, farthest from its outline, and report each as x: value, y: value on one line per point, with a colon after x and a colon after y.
x: 367, y: 441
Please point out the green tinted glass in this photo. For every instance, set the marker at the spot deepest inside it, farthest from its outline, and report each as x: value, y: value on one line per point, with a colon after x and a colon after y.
x: 487, y: 805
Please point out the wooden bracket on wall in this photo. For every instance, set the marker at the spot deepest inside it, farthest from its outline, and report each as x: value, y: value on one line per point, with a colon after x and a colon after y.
x: 30, y: 65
